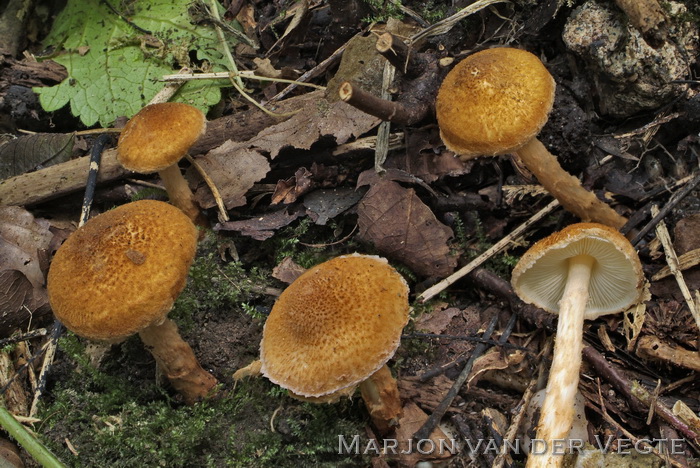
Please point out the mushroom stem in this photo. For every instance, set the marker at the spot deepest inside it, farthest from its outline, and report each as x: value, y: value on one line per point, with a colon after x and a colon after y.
x: 565, y: 187
x: 381, y: 396
x: 557, y: 414
x: 179, y: 192
x: 177, y: 361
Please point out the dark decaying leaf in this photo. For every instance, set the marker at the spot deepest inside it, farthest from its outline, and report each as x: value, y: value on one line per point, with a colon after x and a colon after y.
x: 324, y: 204
x: 262, y: 227
x: 402, y: 227
x: 233, y: 170
x: 287, y: 191
x: 30, y: 151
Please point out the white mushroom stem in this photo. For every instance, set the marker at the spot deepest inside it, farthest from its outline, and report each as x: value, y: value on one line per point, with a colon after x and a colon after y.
x: 565, y: 187
x: 557, y: 413
x: 178, y: 362
x: 179, y: 192
x: 381, y: 396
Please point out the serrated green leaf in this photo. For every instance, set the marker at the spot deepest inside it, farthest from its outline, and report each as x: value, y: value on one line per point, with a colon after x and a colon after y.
x: 113, y: 67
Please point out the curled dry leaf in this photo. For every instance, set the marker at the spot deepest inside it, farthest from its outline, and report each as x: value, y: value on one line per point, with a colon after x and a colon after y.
x: 402, y: 227
x: 24, y: 242
x: 233, y: 170
x: 287, y: 270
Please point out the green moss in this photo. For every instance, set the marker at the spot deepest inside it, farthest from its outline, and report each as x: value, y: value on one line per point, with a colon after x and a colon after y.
x: 110, y: 421
x: 383, y: 10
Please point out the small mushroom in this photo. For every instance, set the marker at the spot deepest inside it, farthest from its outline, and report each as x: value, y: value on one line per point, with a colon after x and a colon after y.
x: 155, y: 139
x: 496, y: 102
x: 334, y: 328
x: 120, y: 274
x: 581, y: 272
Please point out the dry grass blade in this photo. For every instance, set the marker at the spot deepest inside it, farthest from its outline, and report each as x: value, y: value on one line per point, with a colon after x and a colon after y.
x: 685, y: 261
x: 674, y: 265
x: 443, y: 26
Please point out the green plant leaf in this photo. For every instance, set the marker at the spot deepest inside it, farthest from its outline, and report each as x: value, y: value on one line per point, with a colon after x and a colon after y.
x: 113, y: 67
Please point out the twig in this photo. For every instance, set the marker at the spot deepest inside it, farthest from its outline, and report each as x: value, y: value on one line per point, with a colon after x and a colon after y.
x: 673, y: 201
x: 624, y: 386
x: 445, y: 25
x: 495, y: 249
x: 24, y: 336
x: 429, y: 426
x: 673, y: 264
x: 46, y: 365
x: 399, y: 55
x: 228, y: 75
x: 223, y: 214
x: 391, y: 111
x: 512, y: 431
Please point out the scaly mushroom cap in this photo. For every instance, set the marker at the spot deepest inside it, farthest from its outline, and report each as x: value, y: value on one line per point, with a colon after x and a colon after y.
x: 493, y: 102
x: 616, y: 277
x: 158, y: 136
x: 335, y: 325
x: 122, y: 270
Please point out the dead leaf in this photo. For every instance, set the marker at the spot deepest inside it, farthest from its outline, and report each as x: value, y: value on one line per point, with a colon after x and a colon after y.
x: 317, y: 118
x: 287, y: 191
x: 24, y: 243
x: 27, y: 152
x: 423, y: 160
x: 288, y: 270
x: 324, y: 204
x: 437, y: 321
x: 412, y: 420
x: 402, y: 227
x: 233, y: 170
x: 686, y: 234
x: 493, y: 360
x: 22, y: 237
x: 262, y: 227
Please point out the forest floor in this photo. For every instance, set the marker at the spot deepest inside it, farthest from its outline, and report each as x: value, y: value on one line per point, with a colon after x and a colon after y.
x: 300, y: 187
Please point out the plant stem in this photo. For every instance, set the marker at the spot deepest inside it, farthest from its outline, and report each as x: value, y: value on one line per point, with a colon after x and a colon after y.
x: 30, y: 443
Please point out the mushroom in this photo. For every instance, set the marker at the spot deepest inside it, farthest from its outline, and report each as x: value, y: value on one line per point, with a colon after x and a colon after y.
x: 120, y: 274
x: 334, y: 328
x: 582, y: 272
x: 155, y: 139
x: 495, y: 102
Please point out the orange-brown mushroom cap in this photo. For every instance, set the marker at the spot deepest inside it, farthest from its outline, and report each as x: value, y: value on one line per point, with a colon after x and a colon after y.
x: 159, y: 135
x: 122, y: 270
x: 493, y: 102
x: 335, y: 325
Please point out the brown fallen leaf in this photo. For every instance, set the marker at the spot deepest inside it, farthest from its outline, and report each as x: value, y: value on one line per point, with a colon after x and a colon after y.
x: 316, y: 118
x: 24, y: 242
x: 438, y: 320
x: 262, y: 227
x: 287, y: 191
x: 402, y: 227
x: 287, y: 270
x: 233, y: 170
x: 409, y: 451
x: 493, y: 360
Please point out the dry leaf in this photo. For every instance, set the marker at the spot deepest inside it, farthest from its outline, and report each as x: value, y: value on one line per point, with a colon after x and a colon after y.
x: 233, y: 170
x: 287, y: 191
x: 262, y: 227
x: 322, y: 205
x: 402, y: 227
x: 493, y: 360
x: 30, y: 151
x: 288, y: 270
x: 316, y: 118
x: 437, y: 321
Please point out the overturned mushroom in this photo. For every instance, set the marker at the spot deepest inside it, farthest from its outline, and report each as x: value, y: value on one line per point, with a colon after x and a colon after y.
x: 334, y: 328
x: 496, y: 102
x: 120, y: 274
x: 581, y: 272
x: 155, y: 139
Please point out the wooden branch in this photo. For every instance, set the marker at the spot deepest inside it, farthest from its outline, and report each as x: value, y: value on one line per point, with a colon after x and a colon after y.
x: 400, y: 55
x: 386, y: 110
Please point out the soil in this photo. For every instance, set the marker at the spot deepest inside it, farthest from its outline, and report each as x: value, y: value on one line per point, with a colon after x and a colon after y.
x: 115, y: 410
